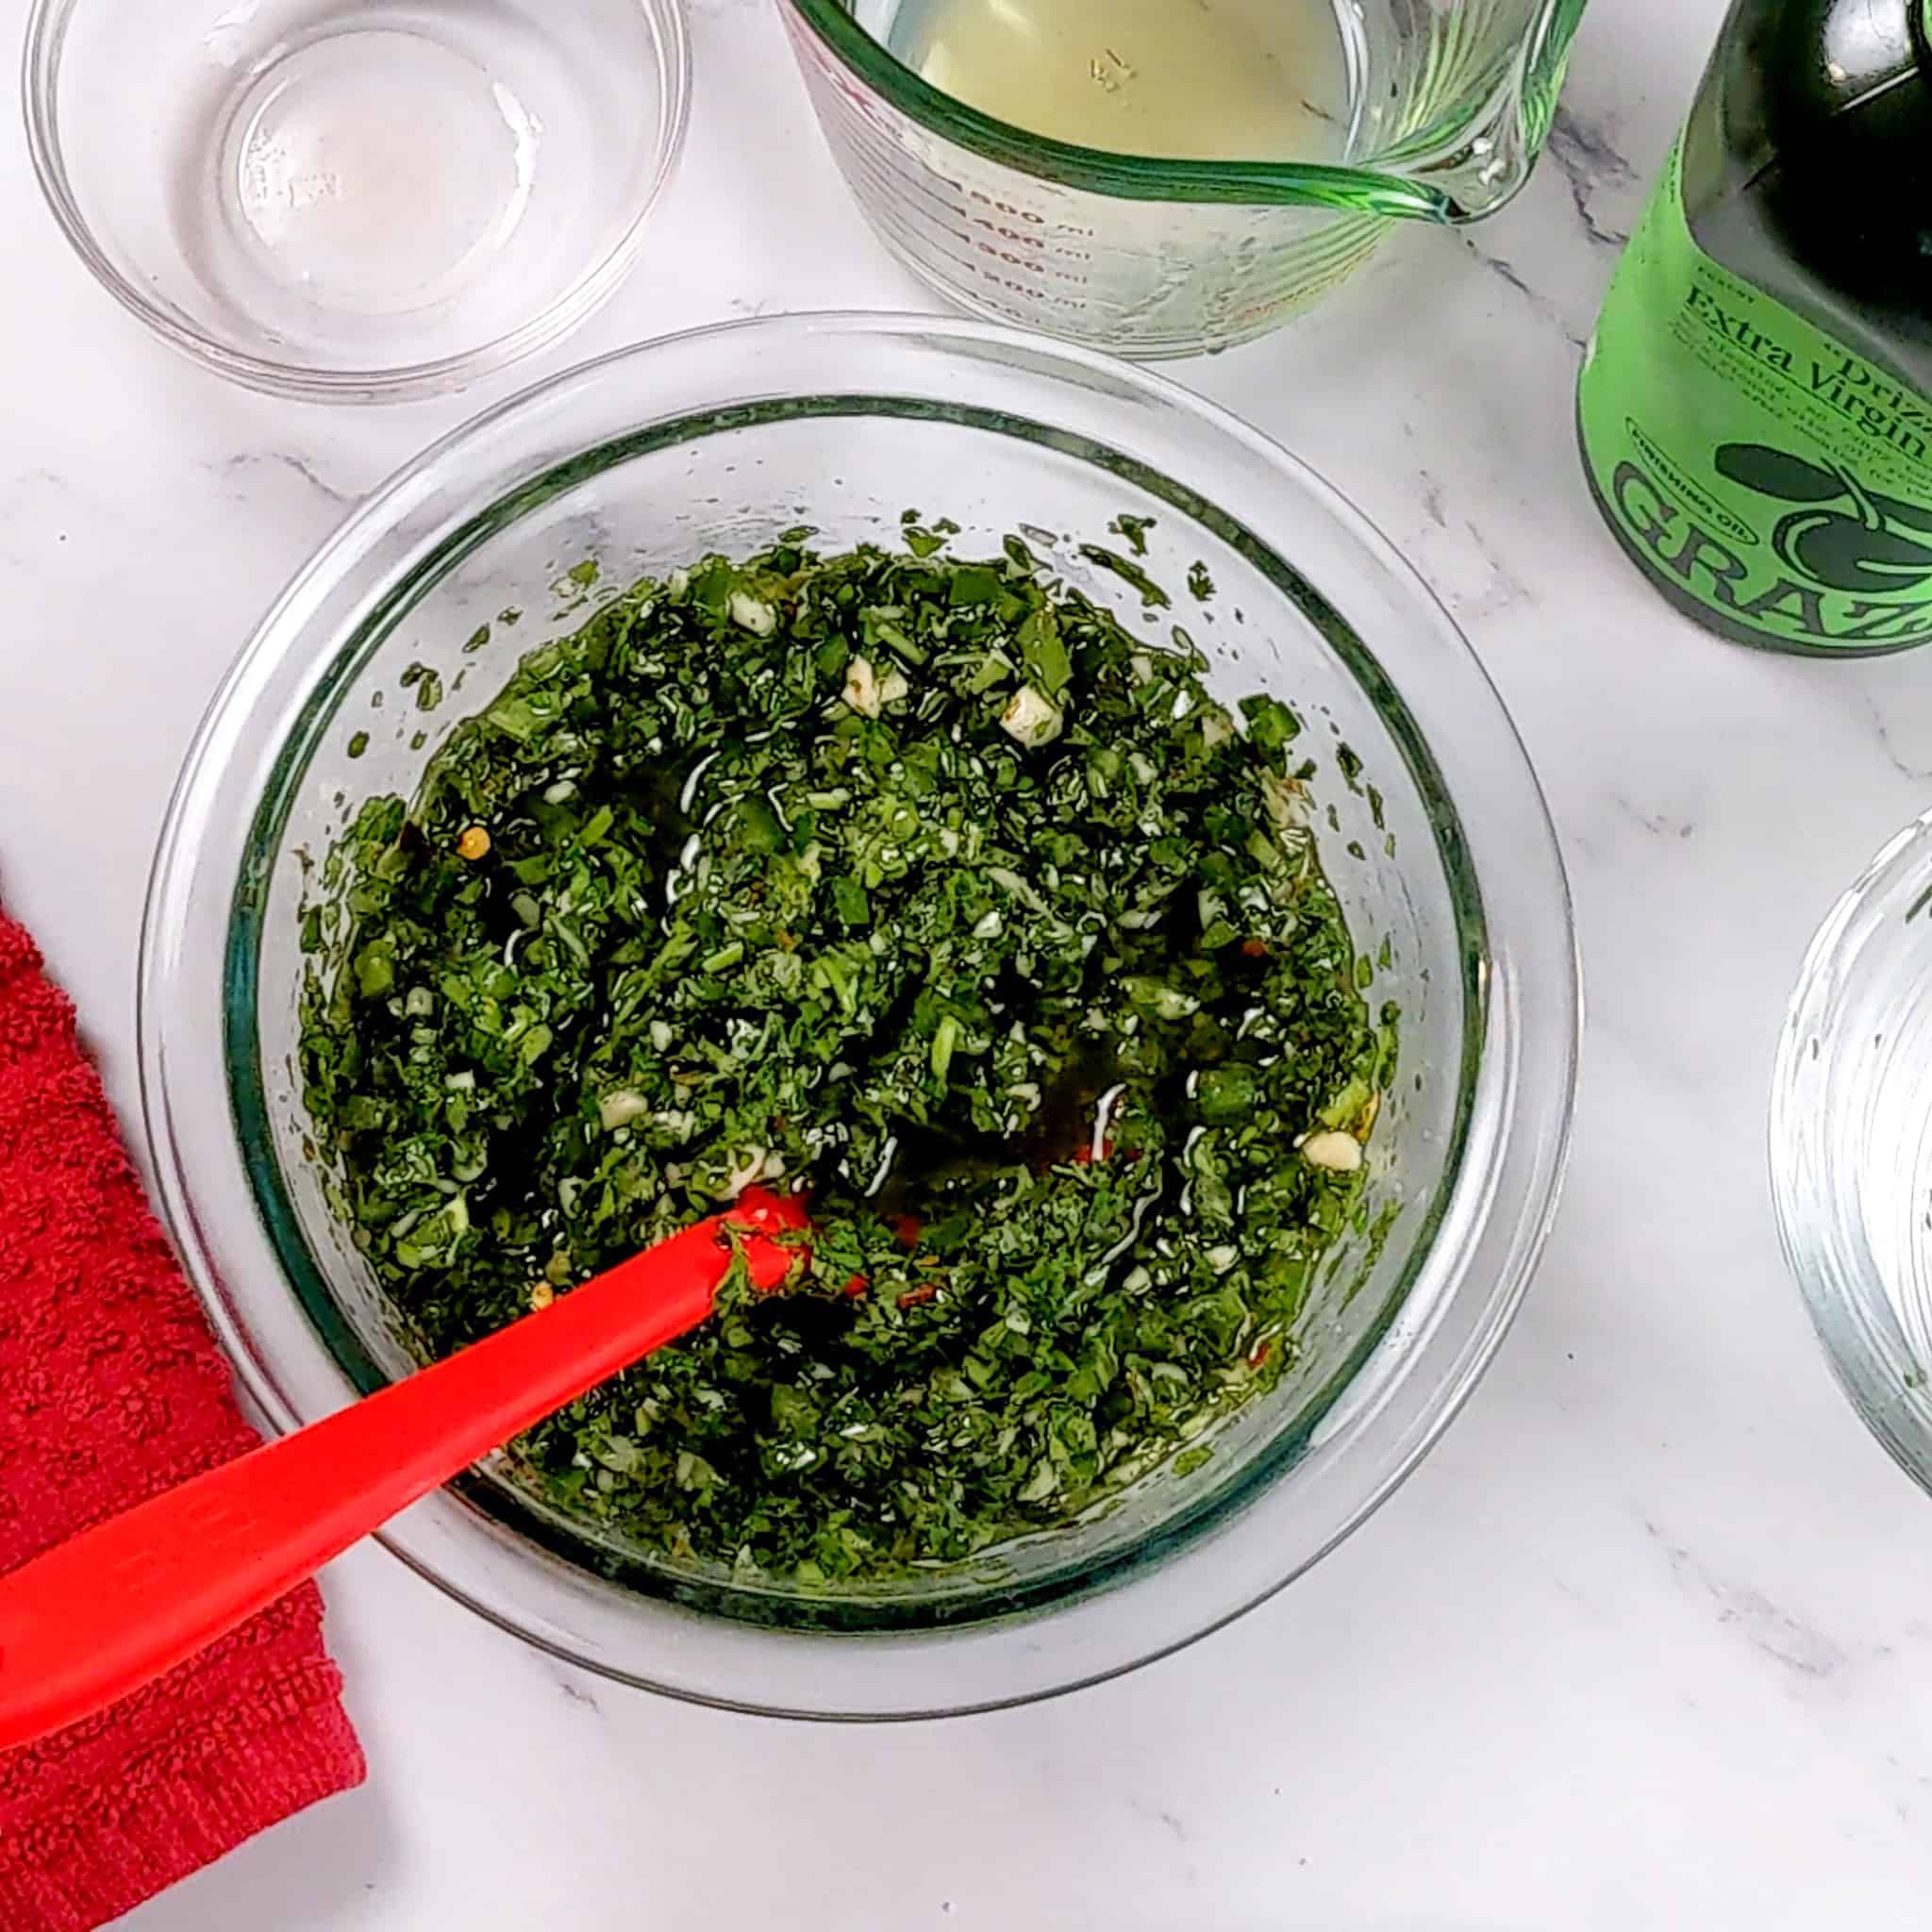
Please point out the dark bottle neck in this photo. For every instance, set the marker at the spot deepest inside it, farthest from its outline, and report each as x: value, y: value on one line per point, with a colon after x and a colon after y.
x: 1806, y: 159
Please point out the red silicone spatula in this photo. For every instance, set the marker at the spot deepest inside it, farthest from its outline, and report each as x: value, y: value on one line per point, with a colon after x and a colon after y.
x: 107, y: 1613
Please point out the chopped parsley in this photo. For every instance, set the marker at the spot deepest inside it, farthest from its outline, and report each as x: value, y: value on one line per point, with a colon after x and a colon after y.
x: 917, y: 882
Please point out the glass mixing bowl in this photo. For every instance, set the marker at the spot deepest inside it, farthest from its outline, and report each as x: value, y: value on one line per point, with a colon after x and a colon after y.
x: 721, y: 440
x: 1851, y: 1145
x: 356, y: 200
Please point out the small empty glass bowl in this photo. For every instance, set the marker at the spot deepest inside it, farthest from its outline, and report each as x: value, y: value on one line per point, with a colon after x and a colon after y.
x: 351, y: 202
x: 1851, y: 1145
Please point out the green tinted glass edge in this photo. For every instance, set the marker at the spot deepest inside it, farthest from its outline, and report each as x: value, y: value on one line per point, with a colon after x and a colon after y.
x: 1384, y: 189
x: 1126, y: 177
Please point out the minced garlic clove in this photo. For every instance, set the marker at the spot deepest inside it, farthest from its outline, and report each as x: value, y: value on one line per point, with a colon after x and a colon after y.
x: 863, y: 687
x: 752, y: 613
x: 1338, y: 1151
x: 1032, y: 718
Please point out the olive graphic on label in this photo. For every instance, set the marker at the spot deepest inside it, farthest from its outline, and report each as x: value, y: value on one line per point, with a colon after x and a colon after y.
x: 1775, y: 472
x: 1868, y: 548
x: 1842, y: 553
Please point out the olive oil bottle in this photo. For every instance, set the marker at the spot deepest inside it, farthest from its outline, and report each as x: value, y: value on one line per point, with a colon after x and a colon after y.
x: 1756, y: 408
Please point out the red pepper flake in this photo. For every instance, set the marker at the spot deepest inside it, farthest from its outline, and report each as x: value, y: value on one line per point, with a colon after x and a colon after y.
x: 907, y: 1229
x: 1083, y: 1157
x: 917, y: 1297
x: 1260, y: 1358
x: 1255, y: 949
x: 856, y: 1287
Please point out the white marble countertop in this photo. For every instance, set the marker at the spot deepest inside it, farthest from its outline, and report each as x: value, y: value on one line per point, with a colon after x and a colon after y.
x: 1646, y: 1642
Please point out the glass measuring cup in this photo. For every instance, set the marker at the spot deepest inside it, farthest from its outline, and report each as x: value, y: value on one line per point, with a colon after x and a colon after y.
x: 1445, y: 106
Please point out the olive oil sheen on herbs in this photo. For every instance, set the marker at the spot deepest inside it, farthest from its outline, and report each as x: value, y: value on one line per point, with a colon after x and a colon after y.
x: 1756, y: 408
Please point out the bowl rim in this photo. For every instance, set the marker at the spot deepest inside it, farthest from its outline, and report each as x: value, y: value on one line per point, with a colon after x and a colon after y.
x: 47, y: 26
x: 1821, y: 1228
x: 175, y: 861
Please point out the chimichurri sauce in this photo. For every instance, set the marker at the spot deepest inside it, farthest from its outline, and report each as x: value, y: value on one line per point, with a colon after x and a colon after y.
x: 920, y: 883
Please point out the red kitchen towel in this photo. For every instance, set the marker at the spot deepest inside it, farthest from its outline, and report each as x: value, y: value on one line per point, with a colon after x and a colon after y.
x: 111, y: 1389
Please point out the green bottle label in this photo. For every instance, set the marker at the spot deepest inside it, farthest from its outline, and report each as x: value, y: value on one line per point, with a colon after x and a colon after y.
x: 1751, y: 463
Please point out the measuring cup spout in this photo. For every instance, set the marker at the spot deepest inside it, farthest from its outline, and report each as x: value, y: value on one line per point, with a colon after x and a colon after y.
x: 1464, y: 157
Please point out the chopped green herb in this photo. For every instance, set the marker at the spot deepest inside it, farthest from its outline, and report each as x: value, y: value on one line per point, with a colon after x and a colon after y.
x: 1130, y: 573
x: 917, y: 882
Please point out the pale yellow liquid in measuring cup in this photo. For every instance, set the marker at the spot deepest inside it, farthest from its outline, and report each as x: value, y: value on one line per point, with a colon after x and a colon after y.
x: 1256, y: 80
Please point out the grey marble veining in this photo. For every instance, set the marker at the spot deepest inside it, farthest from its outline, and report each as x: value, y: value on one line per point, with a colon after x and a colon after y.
x: 1647, y: 1643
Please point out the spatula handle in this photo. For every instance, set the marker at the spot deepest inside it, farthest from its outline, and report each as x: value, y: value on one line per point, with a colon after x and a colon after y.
x: 97, y: 1617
